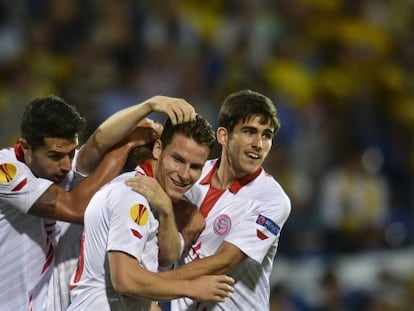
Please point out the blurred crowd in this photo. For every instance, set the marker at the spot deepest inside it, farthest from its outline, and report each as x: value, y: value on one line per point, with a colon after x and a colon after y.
x: 339, y: 71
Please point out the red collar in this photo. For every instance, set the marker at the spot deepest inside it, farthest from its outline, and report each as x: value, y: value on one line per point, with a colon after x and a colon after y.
x: 237, y: 184
x: 147, y: 168
x: 19, y: 152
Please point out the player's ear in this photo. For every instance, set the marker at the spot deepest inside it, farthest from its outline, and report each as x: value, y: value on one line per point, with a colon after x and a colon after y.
x: 222, y: 135
x: 157, y: 149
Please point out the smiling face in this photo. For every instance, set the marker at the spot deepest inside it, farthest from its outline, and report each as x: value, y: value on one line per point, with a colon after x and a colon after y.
x: 179, y: 164
x: 53, y: 160
x: 246, y: 147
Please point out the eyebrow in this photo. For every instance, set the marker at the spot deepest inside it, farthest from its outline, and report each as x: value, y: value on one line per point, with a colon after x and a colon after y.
x: 55, y: 152
x: 250, y: 127
x: 179, y: 157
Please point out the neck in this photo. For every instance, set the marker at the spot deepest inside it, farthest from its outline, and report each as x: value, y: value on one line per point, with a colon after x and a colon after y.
x: 224, y: 176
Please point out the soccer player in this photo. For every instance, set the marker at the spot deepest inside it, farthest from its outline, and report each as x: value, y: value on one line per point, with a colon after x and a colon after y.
x: 40, y: 182
x: 243, y: 206
x: 126, y: 234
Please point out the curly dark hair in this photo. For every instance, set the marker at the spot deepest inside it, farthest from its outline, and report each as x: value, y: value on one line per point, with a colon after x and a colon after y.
x: 49, y: 116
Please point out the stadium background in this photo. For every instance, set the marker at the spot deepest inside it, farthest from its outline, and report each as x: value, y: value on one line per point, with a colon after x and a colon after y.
x: 340, y: 73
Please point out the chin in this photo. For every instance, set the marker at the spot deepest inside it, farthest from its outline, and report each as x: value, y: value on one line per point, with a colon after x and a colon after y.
x: 250, y: 168
x: 175, y: 196
x: 176, y: 193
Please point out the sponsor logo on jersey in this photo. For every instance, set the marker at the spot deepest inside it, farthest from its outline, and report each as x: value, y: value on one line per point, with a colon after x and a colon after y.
x: 7, y: 172
x: 139, y: 214
x: 222, y: 225
x: 269, y: 224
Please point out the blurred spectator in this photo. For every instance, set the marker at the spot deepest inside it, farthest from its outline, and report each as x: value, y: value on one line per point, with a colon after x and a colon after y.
x: 354, y: 201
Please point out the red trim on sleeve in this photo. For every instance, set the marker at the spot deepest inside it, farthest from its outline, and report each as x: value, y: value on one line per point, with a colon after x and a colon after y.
x: 136, y: 233
x: 20, y: 185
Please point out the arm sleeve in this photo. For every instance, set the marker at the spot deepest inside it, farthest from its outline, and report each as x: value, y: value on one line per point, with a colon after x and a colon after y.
x: 132, y: 223
x: 260, y: 227
x: 19, y: 187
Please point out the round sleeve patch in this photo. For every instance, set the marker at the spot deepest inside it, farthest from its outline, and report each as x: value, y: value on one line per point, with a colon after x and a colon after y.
x: 139, y: 214
x: 7, y: 172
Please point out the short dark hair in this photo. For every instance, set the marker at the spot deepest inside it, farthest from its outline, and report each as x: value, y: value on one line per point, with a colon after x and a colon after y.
x: 49, y: 116
x: 199, y: 130
x: 242, y: 105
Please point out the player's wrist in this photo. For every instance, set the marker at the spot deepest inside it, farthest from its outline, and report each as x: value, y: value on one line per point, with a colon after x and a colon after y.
x: 166, y: 210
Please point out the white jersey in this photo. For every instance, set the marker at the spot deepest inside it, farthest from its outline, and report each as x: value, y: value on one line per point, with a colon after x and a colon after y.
x: 66, y: 261
x: 116, y: 219
x: 249, y: 215
x: 27, y: 243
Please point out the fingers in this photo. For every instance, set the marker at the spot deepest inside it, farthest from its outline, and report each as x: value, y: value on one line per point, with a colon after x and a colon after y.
x: 181, y: 112
x: 136, y: 183
x: 226, y: 279
x: 146, y: 131
x: 224, y: 288
x: 227, y: 283
x: 213, y: 288
x: 186, y: 113
x: 177, y: 109
x: 150, y: 124
x: 152, y: 191
x: 146, y: 122
x: 158, y: 129
x: 222, y: 293
x: 144, y: 185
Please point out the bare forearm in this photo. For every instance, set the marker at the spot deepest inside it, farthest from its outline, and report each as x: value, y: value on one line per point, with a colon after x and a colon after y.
x: 225, y: 259
x: 109, y: 133
x: 123, y: 122
x: 168, y: 240
x: 56, y: 203
x: 108, y: 168
x: 153, y: 287
x: 160, y: 290
x: 130, y: 278
x: 195, y: 269
x: 168, y: 237
x: 119, y: 125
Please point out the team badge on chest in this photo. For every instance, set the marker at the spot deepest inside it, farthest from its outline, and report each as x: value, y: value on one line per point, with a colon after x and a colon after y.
x: 222, y: 225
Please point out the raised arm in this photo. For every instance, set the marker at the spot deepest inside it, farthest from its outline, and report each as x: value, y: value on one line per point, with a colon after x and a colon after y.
x: 111, y: 143
x: 122, y: 123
